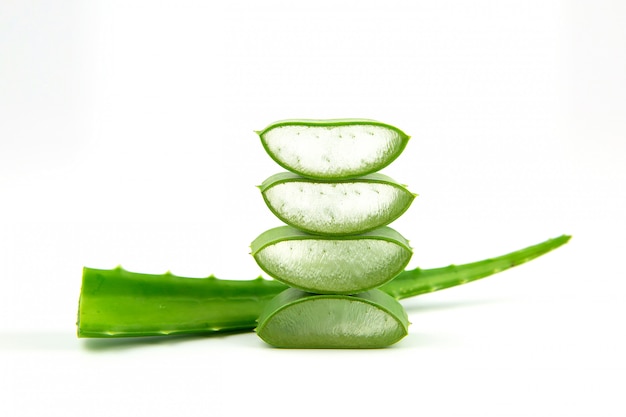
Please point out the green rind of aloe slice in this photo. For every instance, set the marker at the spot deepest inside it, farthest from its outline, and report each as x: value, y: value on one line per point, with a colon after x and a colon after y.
x: 341, y: 207
x: 296, y: 319
x: 331, y: 264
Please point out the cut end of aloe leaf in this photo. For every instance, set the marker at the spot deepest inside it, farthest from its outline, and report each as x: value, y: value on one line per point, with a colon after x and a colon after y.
x: 296, y: 319
x: 326, y: 264
x: 336, y: 208
x: 333, y: 149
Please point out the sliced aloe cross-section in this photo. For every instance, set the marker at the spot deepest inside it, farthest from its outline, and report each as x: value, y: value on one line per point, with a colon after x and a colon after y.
x: 333, y: 149
x: 331, y: 264
x: 338, y: 207
x: 296, y: 319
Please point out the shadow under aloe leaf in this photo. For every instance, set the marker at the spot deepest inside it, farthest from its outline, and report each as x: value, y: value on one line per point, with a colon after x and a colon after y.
x: 416, y: 306
x: 126, y: 343
x: 30, y: 341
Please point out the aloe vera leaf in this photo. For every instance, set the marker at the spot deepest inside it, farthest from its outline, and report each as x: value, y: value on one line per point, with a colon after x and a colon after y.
x: 335, y: 208
x: 297, y: 319
x: 119, y: 303
x: 331, y: 264
x: 418, y: 281
x: 333, y: 149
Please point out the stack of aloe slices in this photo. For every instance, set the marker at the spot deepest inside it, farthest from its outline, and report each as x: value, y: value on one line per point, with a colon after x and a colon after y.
x: 336, y: 249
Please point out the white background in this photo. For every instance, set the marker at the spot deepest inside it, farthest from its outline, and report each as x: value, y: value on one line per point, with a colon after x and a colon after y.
x: 126, y: 137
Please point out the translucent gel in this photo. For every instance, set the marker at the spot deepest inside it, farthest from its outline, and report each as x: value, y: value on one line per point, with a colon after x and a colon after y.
x: 333, y: 265
x: 337, y: 208
x: 332, y: 323
x: 333, y: 151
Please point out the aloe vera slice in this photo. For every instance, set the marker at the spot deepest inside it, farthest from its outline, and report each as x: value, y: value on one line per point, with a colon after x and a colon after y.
x: 336, y: 208
x: 331, y: 264
x: 296, y: 319
x: 333, y: 149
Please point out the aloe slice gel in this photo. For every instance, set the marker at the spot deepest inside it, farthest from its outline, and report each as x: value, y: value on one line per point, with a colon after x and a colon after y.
x: 331, y: 264
x: 333, y: 149
x: 296, y: 319
x: 338, y: 207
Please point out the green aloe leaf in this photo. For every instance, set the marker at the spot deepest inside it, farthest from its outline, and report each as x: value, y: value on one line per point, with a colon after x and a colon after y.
x: 336, y: 208
x: 118, y: 303
x: 331, y: 264
x: 296, y: 319
x: 333, y: 149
